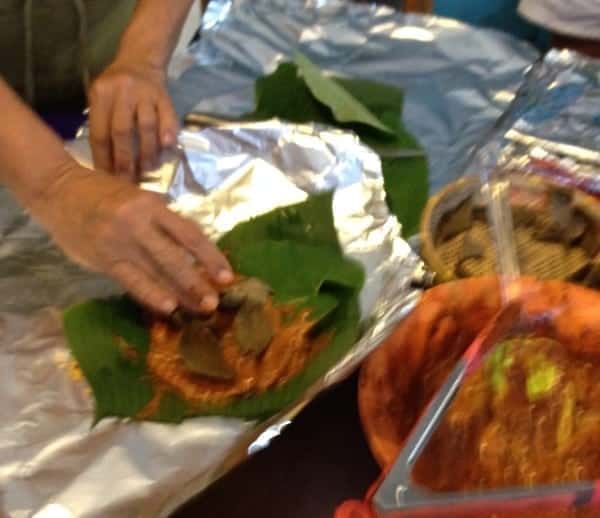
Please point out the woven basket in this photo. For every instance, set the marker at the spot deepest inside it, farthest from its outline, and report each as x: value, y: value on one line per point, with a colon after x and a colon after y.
x: 548, y: 222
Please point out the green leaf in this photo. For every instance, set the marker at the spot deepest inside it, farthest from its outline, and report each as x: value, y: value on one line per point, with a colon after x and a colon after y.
x: 320, y: 305
x: 295, y: 250
x: 309, y: 222
x: 386, y: 103
x: 116, y: 377
x: 344, y: 106
x: 271, y: 261
x: 172, y: 409
x: 284, y: 94
x: 124, y: 392
x: 407, y: 187
x: 378, y: 97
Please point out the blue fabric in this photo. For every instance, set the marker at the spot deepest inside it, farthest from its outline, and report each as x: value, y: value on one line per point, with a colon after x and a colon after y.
x: 65, y: 123
x: 494, y: 14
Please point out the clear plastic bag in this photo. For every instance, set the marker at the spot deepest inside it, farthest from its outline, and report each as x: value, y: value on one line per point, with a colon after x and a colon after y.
x: 552, y: 128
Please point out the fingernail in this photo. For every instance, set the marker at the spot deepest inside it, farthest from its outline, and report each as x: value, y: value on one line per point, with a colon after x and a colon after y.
x: 169, y: 305
x: 224, y: 276
x: 209, y: 303
x: 168, y: 139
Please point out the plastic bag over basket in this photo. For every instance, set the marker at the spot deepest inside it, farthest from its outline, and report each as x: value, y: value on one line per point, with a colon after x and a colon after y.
x: 556, y: 231
x: 548, y: 142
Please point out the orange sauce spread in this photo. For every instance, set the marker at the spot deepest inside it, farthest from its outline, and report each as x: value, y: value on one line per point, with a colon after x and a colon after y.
x: 289, y: 350
x: 74, y: 371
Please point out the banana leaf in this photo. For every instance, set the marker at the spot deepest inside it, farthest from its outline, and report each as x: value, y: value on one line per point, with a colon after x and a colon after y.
x: 299, y: 92
x: 295, y: 250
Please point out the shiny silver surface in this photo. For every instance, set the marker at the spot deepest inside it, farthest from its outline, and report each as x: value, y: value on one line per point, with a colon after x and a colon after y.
x: 51, y: 461
x: 553, y: 125
x: 457, y: 79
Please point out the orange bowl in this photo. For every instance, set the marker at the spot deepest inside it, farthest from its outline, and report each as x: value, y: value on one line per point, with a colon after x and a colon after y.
x: 401, y: 376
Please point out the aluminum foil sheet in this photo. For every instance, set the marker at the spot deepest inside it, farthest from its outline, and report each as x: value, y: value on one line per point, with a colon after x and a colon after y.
x: 553, y: 126
x: 52, y: 463
x: 458, y: 80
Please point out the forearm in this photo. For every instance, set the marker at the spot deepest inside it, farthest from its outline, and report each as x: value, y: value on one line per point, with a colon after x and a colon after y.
x: 31, y: 156
x: 153, y: 31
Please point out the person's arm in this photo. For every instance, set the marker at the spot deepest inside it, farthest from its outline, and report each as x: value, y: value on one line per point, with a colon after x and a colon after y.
x: 129, y: 102
x: 106, y: 223
x: 154, y: 46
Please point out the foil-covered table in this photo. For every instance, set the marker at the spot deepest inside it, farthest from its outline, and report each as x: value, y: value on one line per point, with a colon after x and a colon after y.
x: 51, y: 458
x: 457, y: 80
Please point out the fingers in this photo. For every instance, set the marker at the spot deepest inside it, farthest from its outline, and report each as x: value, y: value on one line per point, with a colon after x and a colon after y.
x: 143, y: 287
x: 137, y: 231
x: 147, y: 120
x: 190, y: 236
x: 168, y: 121
x: 157, y: 127
x: 160, y: 284
x: 113, y: 137
x: 122, y: 136
x: 99, y: 120
x: 179, y: 268
x: 129, y: 104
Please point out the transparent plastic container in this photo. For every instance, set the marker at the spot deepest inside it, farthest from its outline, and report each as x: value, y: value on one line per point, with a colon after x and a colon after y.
x: 463, y: 461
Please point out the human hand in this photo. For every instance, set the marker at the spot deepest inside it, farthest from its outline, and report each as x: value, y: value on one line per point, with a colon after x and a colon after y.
x: 111, y: 226
x: 131, y: 118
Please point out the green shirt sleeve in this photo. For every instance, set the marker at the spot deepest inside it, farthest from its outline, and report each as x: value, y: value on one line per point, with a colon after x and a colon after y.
x: 57, y: 56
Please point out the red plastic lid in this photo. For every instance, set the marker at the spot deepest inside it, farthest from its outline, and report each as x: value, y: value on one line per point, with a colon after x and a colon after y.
x: 354, y: 509
x: 360, y: 508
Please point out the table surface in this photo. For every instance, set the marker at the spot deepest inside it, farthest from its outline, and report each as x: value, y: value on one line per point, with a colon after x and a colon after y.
x: 319, y: 461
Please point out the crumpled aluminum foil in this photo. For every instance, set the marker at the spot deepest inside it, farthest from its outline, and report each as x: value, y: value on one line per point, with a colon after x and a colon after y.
x: 553, y: 126
x: 457, y: 79
x: 52, y: 463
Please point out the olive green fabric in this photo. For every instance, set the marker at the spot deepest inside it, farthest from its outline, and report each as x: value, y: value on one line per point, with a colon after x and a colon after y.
x: 56, y: 52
